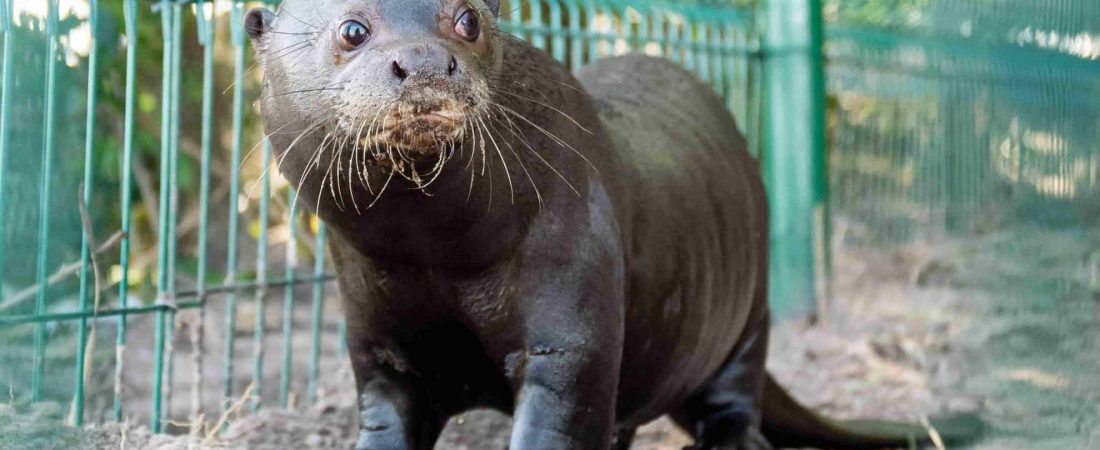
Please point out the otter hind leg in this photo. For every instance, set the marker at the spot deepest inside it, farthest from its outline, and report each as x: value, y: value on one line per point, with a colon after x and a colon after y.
x: 725, y: 414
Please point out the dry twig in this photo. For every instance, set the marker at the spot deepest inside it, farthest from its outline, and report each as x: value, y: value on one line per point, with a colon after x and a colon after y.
x: 212, y: 433
x: 65, y: 271
x: 89, y: 346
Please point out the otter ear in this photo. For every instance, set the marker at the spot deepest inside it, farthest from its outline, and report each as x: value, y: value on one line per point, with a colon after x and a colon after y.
x: 494, y: 6
x: 257, y: 24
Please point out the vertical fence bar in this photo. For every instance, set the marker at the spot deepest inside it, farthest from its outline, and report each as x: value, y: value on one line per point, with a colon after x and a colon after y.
x: 44, y: 202
x: 576, y: 44
x: 288, y: 301
x: 5, y: 112
x: 605, y: 34
x: 625, y: 33
x: 318, y: 311
x: 795, y: 94
x: 700, y: 42
x: 164, y: 161
x: 237, y: 36
x: 591, y: 31
x: 657, y: 32
x: 729, y: 68
x: 675, y: 42
x: 173, y: 210
x: 645, y: 33
x: 158, y: 372
x: 822, y: 224
x: 131, y: 15
x: 716, y: 53
x: 557, y: 30
x: 85, y: 244
x: 207, y: 38
x: 642, y: 37
x: 755, y: 85
x: 688, y: 41
x: 261, y: 280
x: 515, y: 13
x: 163, y: 275
x: 538, y: 35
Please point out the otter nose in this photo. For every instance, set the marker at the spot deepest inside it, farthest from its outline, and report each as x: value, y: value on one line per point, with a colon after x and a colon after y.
x: 422, y: 61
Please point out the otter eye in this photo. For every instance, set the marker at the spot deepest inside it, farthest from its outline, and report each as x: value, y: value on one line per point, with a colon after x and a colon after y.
x: 353, y: 34
x: 468, y: 26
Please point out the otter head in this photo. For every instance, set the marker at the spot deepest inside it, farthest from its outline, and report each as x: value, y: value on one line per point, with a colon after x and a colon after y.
x: 399, y: 80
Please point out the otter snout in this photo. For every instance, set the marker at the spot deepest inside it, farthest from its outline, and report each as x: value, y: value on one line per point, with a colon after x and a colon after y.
x: 420, y: 124
x: 431, y: 106
x: 422, y: 61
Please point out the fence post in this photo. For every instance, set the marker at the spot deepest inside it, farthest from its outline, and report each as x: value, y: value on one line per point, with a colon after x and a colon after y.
x: 794, y: 162
x: 7, y: 77
x: 45, y: 196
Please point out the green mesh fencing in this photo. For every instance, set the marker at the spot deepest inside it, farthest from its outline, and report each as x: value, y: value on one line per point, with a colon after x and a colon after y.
x: 145, y: 237
x: 963, y: 116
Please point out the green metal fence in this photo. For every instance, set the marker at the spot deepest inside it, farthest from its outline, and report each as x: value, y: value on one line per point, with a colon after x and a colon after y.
x: 69, y: 324
x: 133, y: 175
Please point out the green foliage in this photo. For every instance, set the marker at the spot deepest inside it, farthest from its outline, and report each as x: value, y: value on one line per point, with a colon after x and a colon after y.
x: 876, y: 13
x: 23, y: 181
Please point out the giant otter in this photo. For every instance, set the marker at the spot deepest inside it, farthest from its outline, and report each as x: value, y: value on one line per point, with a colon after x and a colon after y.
x: 583, y: 253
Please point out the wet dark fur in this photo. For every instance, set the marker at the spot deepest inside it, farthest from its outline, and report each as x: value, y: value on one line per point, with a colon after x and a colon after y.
x: 589, y: 255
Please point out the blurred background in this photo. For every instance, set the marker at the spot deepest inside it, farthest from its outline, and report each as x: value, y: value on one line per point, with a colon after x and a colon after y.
x: 932, y: 165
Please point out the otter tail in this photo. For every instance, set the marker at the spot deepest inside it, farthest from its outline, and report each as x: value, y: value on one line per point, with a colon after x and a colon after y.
x: 786, y: 423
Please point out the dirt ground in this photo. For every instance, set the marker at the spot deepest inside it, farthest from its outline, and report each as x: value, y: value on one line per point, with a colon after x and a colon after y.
x: 1006, y: 326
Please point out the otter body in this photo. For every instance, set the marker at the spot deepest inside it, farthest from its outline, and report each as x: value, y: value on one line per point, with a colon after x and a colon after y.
x: 584, y: 253
x: 693, y: 226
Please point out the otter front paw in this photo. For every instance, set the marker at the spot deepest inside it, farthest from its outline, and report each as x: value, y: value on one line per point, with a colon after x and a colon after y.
x: 380, y: 427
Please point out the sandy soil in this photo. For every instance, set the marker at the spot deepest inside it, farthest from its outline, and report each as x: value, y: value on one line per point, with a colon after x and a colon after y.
x: 1007, y: 326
